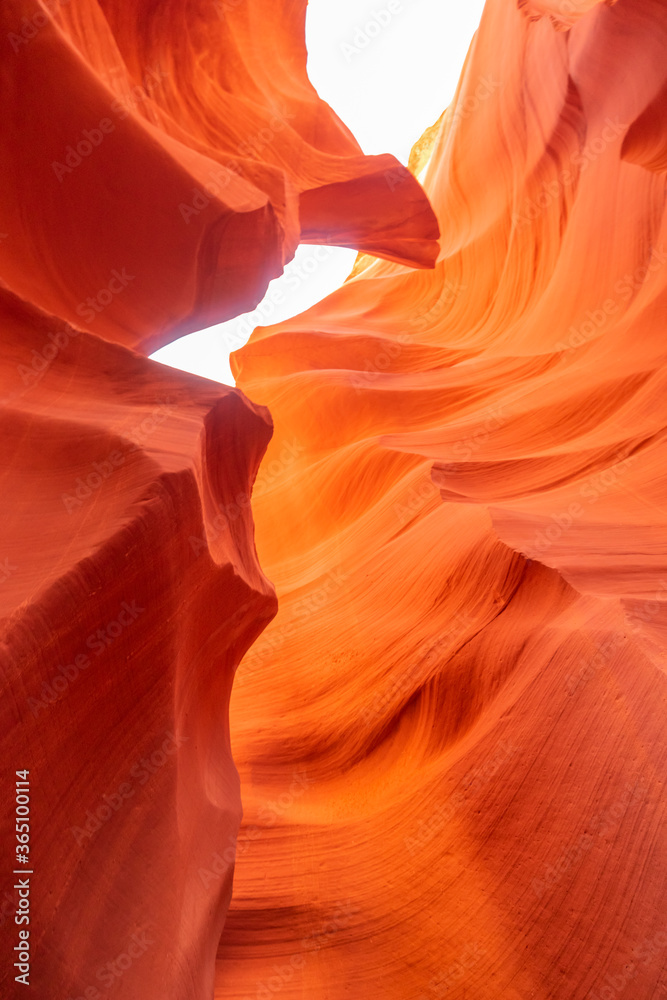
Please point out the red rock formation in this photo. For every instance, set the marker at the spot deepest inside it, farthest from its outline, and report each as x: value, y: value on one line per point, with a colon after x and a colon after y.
x: 457, y: 785
x: 161, y: 167
x: 451, y: 739
x: 131, y: 589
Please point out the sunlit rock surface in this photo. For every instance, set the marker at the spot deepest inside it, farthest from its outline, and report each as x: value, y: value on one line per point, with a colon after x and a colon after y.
x: 160, y: 165
x: 452, y: 737
x: 162, y: 162
x: 130, y: 590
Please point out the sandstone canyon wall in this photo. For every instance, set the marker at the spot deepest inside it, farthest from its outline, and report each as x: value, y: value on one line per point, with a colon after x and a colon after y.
x: 467, y: 669
x: 451, y: 737
x: 160, y: 163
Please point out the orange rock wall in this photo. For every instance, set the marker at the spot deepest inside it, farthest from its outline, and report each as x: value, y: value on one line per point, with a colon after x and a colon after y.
x: 467, y: 669
x: 451, y: 737
x: 160, y: 164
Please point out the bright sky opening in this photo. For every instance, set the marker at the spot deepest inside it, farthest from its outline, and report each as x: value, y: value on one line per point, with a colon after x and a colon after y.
x: 388, y: 69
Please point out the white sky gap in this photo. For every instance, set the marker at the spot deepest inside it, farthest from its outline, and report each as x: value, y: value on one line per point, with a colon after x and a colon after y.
x: 388, y: 69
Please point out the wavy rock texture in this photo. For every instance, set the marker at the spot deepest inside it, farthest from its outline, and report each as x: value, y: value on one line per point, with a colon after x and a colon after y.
x: 160, y: 164
x: 182, y: 147
x: 452, y: 737
x: 130, y: 591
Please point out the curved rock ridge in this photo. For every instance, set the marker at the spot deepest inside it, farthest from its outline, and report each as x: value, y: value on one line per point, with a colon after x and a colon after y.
x: 452, y: 738
x: 130, y: 590
x: 162, y: 163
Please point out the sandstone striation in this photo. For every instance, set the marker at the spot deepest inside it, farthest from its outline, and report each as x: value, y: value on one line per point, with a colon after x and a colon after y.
x: 476, y: 697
